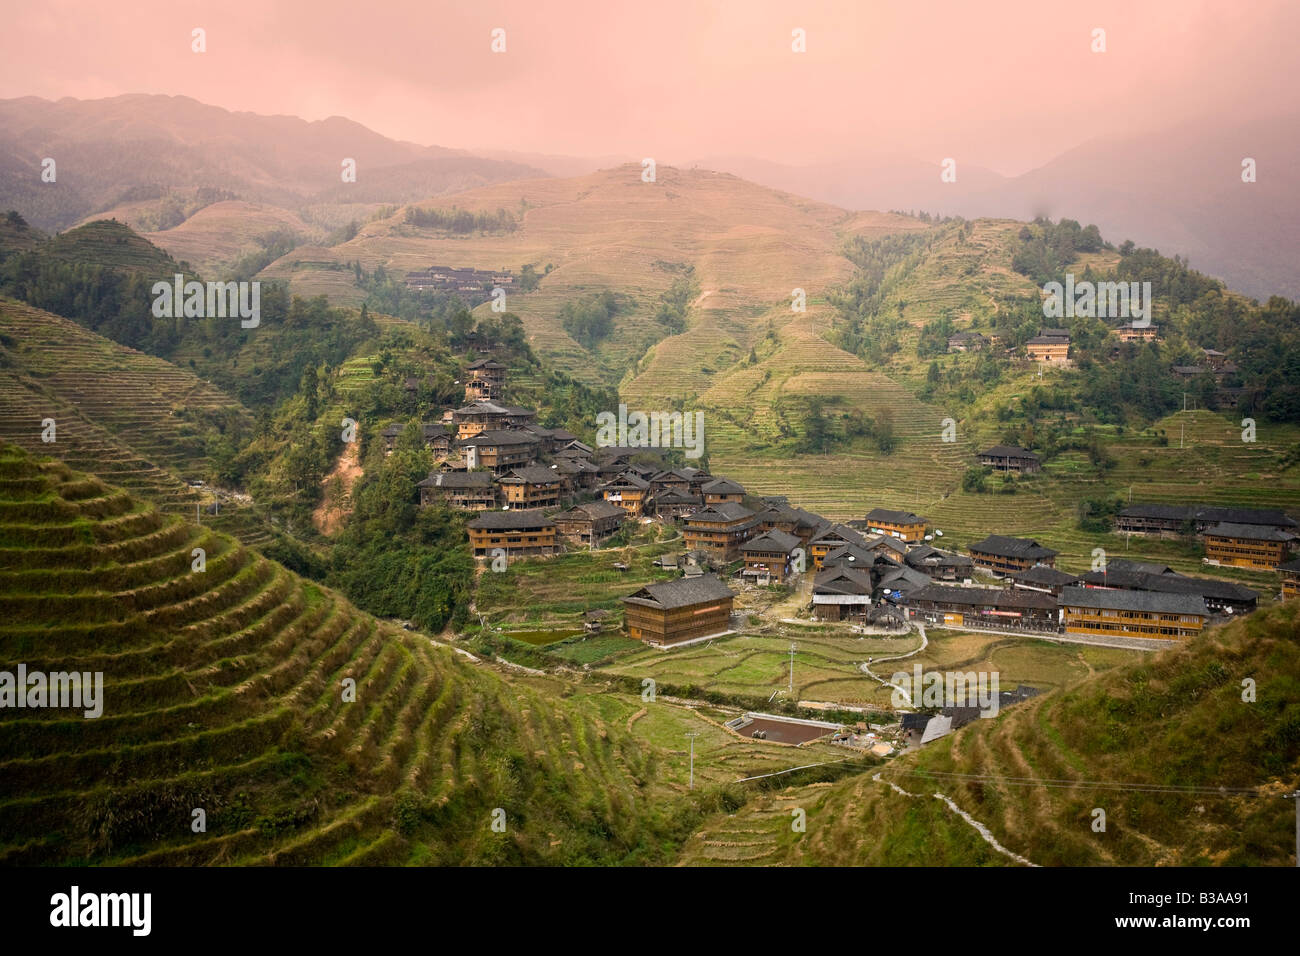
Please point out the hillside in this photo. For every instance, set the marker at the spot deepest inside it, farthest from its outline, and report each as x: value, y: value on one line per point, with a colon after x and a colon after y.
x: 223, y: 691
x: 129, y: 418
x: 1172, y: 729
x: 156, y: 158
x: 748, y: 248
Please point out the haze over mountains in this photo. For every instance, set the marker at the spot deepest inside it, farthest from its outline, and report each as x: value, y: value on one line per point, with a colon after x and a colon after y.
x: 143, y: 158
x: 1173, y: 189
x: 114, y: 152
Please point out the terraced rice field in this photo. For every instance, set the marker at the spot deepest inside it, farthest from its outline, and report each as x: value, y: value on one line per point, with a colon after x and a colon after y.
x: 223, y: 690
x: 132, y: 419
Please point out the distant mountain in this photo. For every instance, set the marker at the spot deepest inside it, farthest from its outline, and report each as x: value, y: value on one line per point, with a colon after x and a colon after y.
x: 144, y: 148
x: 1178, y: 190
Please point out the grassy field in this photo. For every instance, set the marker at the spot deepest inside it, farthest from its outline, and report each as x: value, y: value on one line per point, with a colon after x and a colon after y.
x: 827, y: 663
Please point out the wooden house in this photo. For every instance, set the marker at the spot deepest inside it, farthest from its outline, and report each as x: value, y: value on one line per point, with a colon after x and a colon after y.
x: 477, y: 417
x: 1011, y: 458
x: 1247, y: 546
x: 499, y: 450
x: 468, y: 490
x: 1290, y: 573
x: 437, y: 438
x: 720, y: 530
x: 590, y: 524
x: 1221, y: 597
x: 684, y: 609
x: 675, y: 504
x: 390, y: 435
x: 1144, y: 614
x: 531, y: 486
x: 940, y: 565
x: 1009, y: 608
x: 842, y: 593
x: 903, y: 525
x: 1003, y: 555
x: 967, y: 342
x: 628, y: 490
x: 721, y: 490
x: 520, y: 534
x: 1128, y: 332
x: 485, y: 380
x: 1050, y: 345
x: 830, y: 538
x: 769, y: 557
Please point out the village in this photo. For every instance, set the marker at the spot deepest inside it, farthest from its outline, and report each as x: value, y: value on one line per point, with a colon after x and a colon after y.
x: 736, y: 560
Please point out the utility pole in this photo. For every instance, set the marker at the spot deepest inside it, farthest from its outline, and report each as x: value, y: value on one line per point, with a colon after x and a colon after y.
x: 692, y: 735
x: 793, y: 647
x: 197, y: 519
x: 1296, y: 797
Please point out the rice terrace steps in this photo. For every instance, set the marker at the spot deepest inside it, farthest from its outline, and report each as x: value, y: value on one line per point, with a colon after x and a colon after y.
x: 223, y: 692
x: 130, y: 418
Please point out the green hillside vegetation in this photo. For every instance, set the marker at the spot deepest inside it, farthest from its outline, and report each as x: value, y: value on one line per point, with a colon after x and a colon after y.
x: 223, y: 692
x: 130, y: 418
x: 1177, y: 719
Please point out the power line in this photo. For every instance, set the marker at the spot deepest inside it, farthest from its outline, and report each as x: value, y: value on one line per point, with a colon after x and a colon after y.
x: 1091, y: 784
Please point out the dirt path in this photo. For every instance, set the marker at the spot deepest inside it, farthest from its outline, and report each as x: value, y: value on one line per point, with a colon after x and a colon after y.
x: 979, y: 828
x: 898, y: 657
x: 330, y: 515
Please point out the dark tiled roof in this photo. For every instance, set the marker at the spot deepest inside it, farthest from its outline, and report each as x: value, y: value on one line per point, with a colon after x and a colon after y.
x: 1008, y: 451
x: 681, y: 592
x: 533, y: 475
x: 505, y: 520
x: 627, y: 480
x: 1292, y: 566
x: 1045, y: 576
x: 771, y: 541
x: 1160, y: 602
x: 722, y: 486
x: 842, y: 580
x: 979, y: 597
x: 1208, y: 588
x: 500, y: 436
x: 594, y: 510
x: 924, y: 555
x: 726, y: 511
x: 894, y: 517
x: 1259, y: 516
x: 458, y: 479
x: 1253, y: 532
x: 482, y: 408
x: 1004, y: 547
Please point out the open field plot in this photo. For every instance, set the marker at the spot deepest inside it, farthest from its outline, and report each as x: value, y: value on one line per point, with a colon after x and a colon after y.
x: 559, y: 589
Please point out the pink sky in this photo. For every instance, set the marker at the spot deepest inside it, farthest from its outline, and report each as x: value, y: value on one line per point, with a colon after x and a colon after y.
x: 1004, y: 84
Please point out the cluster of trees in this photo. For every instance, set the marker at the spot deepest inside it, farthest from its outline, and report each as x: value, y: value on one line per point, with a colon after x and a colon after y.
x: 395, y: 559
x: 824, y: 433
x: 676, y: 301
x: 461, y: 221
x: 866, y: 327
x: 1046, y: 247
x: 390, y: 295
x: 591, y: 318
